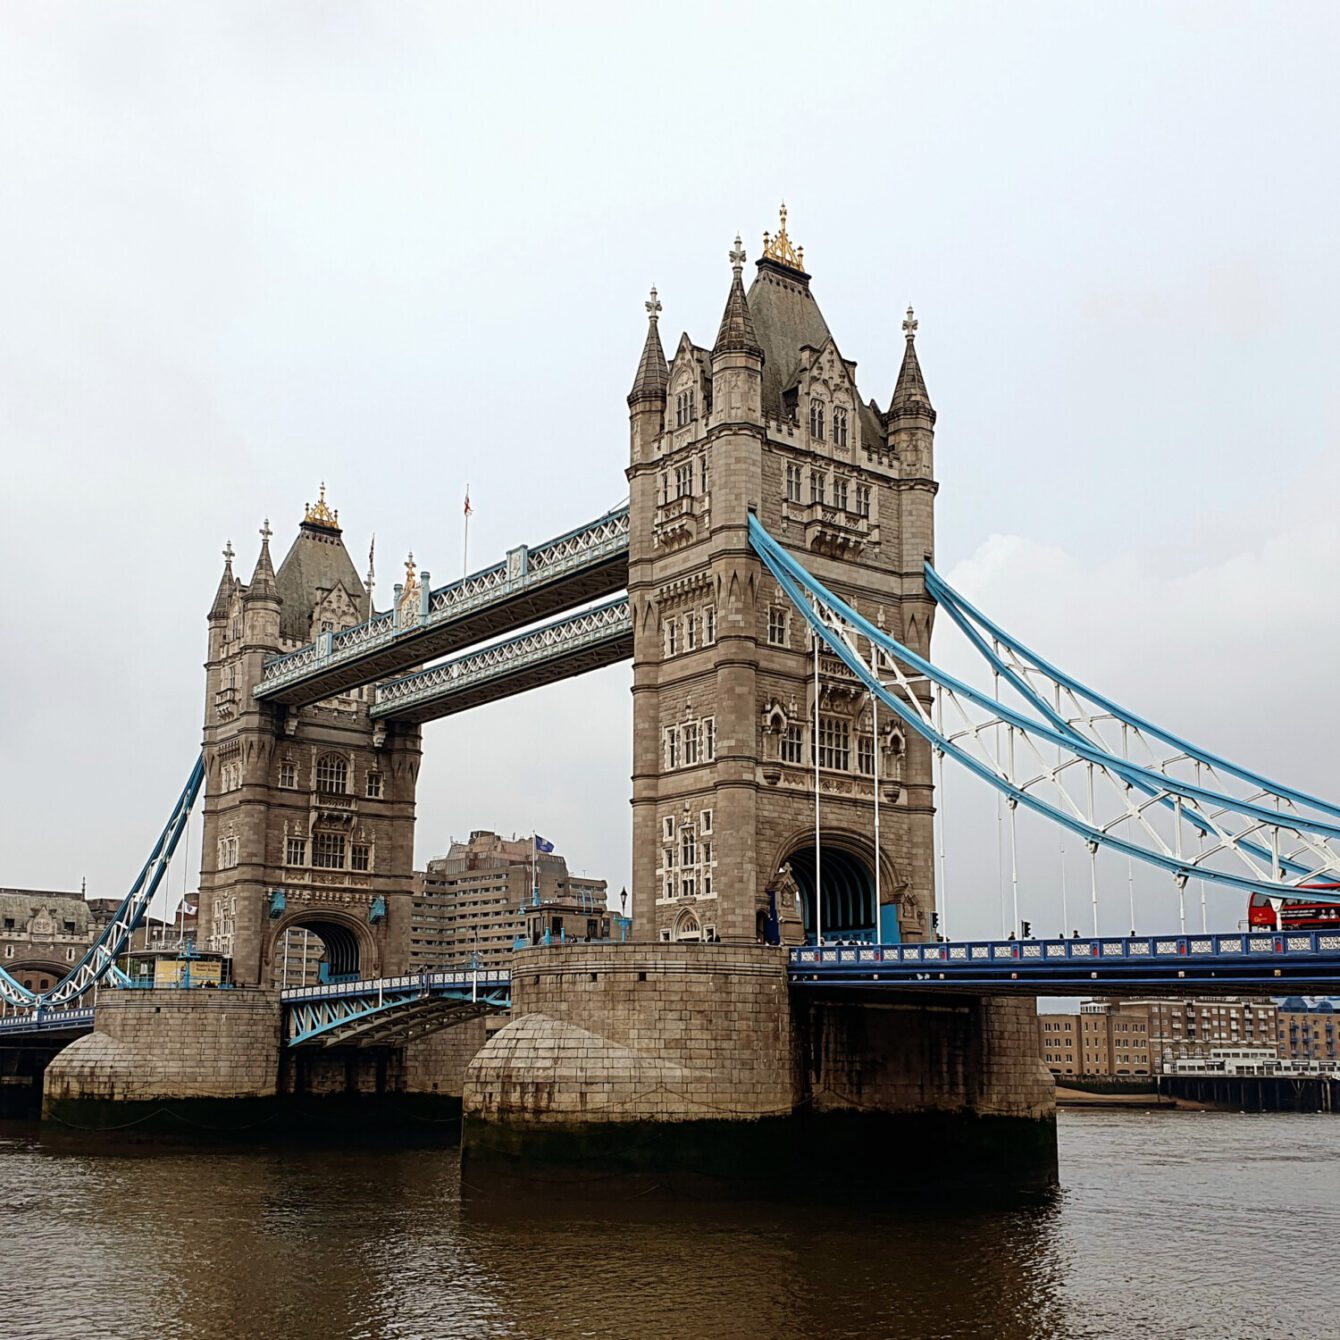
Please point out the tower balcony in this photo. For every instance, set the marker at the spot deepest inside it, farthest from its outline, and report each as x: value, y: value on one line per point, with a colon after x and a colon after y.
x: 832, y: 530
x: 225, y: 702
x: 677, y: 520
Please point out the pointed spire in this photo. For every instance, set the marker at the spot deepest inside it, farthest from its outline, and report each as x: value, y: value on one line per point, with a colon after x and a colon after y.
x: 910, y: 396
x: 263, y: 579
x: 736, y: 335
x: 219, y: 609
x: 653, y: 375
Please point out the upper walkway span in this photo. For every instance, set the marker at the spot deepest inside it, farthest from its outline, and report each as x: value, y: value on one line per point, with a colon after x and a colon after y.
x: 530, y: 584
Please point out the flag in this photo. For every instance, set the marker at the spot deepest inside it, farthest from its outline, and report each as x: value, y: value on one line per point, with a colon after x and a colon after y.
x: 542, y: 844
x: 468, y: 509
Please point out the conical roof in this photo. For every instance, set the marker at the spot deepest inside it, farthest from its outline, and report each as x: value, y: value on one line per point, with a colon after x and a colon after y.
x: 227, y: 584
x: 653, y: 374
x: 910, y: 396
x: 315, y: 564
x: 263, y: 579
x: 736, y: 333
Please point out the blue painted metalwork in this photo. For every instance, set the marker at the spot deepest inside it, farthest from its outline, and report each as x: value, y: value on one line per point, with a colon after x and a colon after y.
x: 377, y: 912
x: 40, y: 1021
x: 100, y: 957
x: 559, y: 560
x: 391, y: 1008
x: 1265, y: 964
x: 276, y: 904
x: 824, y: 612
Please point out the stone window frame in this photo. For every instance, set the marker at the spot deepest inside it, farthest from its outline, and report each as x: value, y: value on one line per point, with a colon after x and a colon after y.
x: 360, y: 856
x: 817, y: 420
x: 331, y: 774
x: 795, y: 481
x: 791, y: 747
x: 329, y: 850
x: 818, y: 487
x: 706, y: 472
x: 709, y: 625
x: 670, y: 738
x: 709, y: 725
x: 835, y: 743
x: 374, y: 785
x: 684, y: 480
x: 778, y: 626
x: 295, y: 850
x: 672, y: 637
x: 863, y: 501
x: 288, y: 774
x: 839, y: 426
x: 692, y: 741
x: 690, y: 631
x: 841, y: 492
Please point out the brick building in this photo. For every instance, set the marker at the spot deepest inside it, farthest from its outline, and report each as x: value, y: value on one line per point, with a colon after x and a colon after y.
x: 479, y: 898
x: 1308, y: 1032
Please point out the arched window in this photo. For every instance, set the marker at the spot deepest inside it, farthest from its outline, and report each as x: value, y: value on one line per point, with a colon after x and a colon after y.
x: 688, y: 927
x: 839, y: 427
x: 816, y: 418
x: 332, y: 774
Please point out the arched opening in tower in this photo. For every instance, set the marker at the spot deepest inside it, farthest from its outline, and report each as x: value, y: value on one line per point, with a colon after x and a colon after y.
x: 848, y: 893
x: 310, y: 952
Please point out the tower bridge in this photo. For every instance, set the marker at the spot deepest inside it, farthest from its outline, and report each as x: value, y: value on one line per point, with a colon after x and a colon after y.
x: 772, y: 580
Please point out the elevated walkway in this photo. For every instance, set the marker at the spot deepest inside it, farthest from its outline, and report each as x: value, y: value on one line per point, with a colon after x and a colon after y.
x: 530, y: 584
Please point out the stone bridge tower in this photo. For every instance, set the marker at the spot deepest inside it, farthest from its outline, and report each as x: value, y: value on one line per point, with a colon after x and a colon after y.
x: 769, y: 420
x: 309, y: 812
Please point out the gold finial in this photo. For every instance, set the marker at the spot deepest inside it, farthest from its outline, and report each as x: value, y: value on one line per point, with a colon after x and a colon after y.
x: 653, y: 305
x: 409, y: 593
x: 910, y: 323
x: 779, y: 248
x: 321, y: 515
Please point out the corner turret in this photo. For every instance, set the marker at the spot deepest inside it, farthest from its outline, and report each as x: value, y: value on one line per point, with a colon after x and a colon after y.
x: 737, y: 356
x: 646, y: 401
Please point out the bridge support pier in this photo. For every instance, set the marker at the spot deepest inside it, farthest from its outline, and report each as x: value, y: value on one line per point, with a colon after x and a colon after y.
x: 693, y: 1069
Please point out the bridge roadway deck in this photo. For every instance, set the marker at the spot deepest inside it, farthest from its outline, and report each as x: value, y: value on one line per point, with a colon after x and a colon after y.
x: 531, y: 584
x: 1239, y: 964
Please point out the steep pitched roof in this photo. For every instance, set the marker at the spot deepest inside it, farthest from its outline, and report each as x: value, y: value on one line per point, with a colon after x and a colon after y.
x: 315, y: 562
x: 785, y: 317
x: 909, y: 394
x: 736, y: 333
x: 263, y: 579
x: 227, y: 584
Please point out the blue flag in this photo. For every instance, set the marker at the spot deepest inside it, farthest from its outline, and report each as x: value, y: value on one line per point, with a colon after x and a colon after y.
x: 542, y: 845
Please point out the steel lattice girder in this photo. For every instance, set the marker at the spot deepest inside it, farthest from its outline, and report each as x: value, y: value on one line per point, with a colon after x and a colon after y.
x: 1246, y: 834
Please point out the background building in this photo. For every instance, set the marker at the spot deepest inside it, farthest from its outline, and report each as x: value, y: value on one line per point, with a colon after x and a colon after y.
x: 478, y: 898
x: 1307, y: 1032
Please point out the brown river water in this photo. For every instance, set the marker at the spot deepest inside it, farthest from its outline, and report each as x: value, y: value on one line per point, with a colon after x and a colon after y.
x: 1167, y: 1224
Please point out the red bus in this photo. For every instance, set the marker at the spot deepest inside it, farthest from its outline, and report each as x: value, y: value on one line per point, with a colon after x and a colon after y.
x: 1268, y: 913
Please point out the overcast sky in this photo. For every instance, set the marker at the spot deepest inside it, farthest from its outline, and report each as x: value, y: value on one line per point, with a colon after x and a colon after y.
x: 248, y: 247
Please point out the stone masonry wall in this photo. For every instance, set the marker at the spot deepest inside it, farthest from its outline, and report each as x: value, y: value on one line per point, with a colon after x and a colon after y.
x: 617, y: 1033
x: 153, y: 1045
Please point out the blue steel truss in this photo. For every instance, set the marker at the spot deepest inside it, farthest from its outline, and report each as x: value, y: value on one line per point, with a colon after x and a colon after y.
x: 391, y: 1010
x: 570, y: 646
x: 1273, y: 964
x: 100, y: 958
x: 530, y: 583
x: 1258, y: 842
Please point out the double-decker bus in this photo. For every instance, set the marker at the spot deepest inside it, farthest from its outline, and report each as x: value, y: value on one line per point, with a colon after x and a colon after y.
x: 1268, y: 913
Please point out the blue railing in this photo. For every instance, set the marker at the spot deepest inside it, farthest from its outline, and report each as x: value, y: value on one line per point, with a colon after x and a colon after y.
x: 47, y: 1021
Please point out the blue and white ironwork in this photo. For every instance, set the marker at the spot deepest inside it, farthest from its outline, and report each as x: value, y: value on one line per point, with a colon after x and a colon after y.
x: 609, y: 625
x: 1271, y: 839
x: 39, y: 1021
x: 391, y: 1009
x: 593, y: 544
x: 100, y: 958
x: 1266, y: 964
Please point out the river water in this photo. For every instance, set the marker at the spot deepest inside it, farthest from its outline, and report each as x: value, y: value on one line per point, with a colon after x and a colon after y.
x: 1168, y: 1224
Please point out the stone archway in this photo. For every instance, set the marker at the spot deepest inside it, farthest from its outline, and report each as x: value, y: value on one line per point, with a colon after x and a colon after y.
x: 847, y: 870
x: 38, y: 974
x: 343, y: 950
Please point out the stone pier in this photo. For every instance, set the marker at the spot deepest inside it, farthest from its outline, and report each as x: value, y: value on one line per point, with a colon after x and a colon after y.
x: 690, y: 1069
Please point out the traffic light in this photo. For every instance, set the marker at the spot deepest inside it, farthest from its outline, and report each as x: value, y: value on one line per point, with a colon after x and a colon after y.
x: 935, y: 921
x: 1028, y: 929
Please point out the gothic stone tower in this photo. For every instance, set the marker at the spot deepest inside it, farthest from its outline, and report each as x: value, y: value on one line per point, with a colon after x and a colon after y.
x: 769, y: 420
x: 309, y: 812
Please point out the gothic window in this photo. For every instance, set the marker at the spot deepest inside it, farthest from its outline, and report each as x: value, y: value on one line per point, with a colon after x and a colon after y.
x: 360, y: 856
x: 817, y: 486
x: 776, y: 626
x: 690, y: 632
x: 688, y: 847
x: 328, y: 851
x: 671, y: 637
x: 374, y: 786
x: 835, y: 743
x: 688, y: 927
x: 709, y: 739
x: 295, y: 851
x: 817, y: 419
x: 327, y: 626
x: 706, y: 485
x: 332, y: 774
x: 863, y: 500
x: 690, y: 745
x: 865, y: 754
x: 672, y: 746
x: 684, y: 480
x: 793, y: 745
x: 668, y: 885
x: 840, y: 492
x: 710, y: 624
x: 688, y: 884
x: 236, y: 630
x: 668, y: 827
x: 288, y: 774
x: 685, y: 408
x: 705, y: 819
x: 839, y: 427
x: 792, y: 483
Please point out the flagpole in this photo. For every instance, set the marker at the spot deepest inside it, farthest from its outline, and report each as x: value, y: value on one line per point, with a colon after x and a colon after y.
x: 465, y: 557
